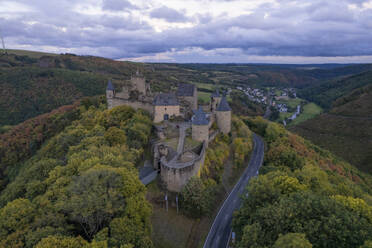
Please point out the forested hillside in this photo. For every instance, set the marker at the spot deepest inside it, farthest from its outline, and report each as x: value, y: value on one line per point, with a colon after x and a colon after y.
x: 22, y: 141
x: 81, y: 188
x: 34, y: 83
x: 346, y: 129
x: 327, y: 92
x: 29, y: 88
x: 303, y: 197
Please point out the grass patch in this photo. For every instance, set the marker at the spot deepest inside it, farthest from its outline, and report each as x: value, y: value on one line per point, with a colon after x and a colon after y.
x: 172, y: 143
x: 172, y: 229
x: 292, y: 102
x: 310, y: 111
x: 278, y: 92
x: 205, y: 86
x: 283, y: 116
x: 190, y: 143
x: 204, y: 97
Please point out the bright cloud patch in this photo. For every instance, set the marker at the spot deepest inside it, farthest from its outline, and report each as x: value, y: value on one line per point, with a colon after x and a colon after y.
x: 194, y: 31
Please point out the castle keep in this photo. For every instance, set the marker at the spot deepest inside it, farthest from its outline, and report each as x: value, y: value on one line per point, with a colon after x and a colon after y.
x: 162, y: 106
x: 179, y: 152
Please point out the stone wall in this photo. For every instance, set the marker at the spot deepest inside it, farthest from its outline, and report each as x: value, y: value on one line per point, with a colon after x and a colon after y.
x: 192, y: 100
x: 124, y: 94
x: 200, y: 132
x: 134, y: 104
x: 160, y: 111
x: 176, y: 175
x: 139, y: 84
x: 224, y: 121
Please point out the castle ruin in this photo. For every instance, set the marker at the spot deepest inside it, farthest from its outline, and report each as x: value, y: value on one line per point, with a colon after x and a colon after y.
x: 179, y: 154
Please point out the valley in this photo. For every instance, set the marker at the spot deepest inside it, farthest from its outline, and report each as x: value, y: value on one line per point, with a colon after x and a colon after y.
x: 62, y: 140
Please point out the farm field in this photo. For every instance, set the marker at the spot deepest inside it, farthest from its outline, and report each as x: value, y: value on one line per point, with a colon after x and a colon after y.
x: 205, y: 86
x: 292, y: 102
x: 203, y: 96
x: 310, y: 111
x: 283, y: 116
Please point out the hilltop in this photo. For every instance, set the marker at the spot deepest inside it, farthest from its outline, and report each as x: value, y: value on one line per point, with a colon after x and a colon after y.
x: 346, y: 129
x: 31, y: 54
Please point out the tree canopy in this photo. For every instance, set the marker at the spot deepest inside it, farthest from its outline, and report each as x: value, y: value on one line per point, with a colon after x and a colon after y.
x: 303, y: 197
x: 81, y: 189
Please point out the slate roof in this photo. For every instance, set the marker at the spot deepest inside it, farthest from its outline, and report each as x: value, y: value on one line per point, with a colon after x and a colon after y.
x: 216, y: 93
x: 200, y: 118
x: 223, y: 106
x: 166, y: 99
x: 185, y: 89
x: 110, y: 86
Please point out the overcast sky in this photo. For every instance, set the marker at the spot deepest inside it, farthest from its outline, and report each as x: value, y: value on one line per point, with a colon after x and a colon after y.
x: 201, y: 31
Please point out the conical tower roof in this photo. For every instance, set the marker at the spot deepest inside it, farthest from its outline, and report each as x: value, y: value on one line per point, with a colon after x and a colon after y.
x: 110, y: 86
x: 224, y: 105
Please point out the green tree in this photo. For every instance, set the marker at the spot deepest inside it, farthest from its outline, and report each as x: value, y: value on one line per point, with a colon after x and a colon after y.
x: 95, y: 198
x: 355, y: 204
x: 62, y: 242
x: 367, y: 244
x: 274, y: 131
x: 16, y: 215
x: 115, y: 136
x: 16, y: 220
x: 292, y: 240
x: 325, y: 222
x: 252, y: 235
x: 196, y: 199
x: 117, y: 116
x: 129, y: 231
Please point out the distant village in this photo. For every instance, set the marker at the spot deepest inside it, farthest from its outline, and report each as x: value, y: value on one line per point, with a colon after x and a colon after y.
x: 270, y: 97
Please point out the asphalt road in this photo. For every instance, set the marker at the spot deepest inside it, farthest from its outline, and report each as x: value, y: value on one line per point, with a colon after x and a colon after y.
x: 219, y: 234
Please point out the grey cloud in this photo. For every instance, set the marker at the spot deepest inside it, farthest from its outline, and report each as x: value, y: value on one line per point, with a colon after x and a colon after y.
x: 315, y: 29
x: 117, y: 5
x: 168, y: 14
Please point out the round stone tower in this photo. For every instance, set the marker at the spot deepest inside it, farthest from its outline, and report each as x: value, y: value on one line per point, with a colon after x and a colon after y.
x: 223, y: 116
x: 200, y: 126
x: 110, y: 94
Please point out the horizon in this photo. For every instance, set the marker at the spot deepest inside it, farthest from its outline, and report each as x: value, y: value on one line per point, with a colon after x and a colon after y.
x: 9, y: 50
x: 207, y: 31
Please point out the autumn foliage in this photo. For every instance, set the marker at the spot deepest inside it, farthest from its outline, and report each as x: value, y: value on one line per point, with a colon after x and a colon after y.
x: 81, y: 188
x: 303, y: 197
x: 23, y: 140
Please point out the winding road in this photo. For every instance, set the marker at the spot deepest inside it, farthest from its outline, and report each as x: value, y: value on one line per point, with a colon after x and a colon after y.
x: 219, y: 234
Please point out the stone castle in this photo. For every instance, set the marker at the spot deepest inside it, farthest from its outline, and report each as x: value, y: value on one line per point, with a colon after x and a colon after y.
x: 162, y: 106
x: 176, y: 165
